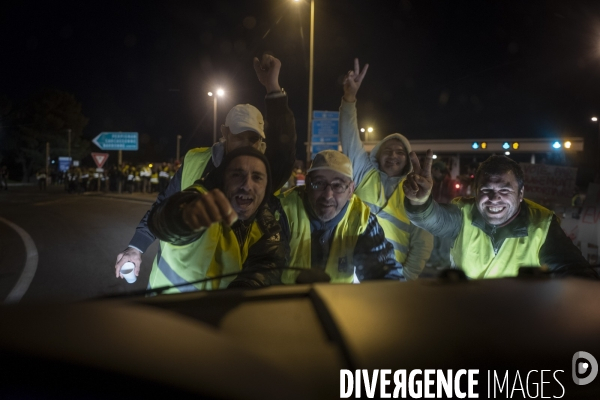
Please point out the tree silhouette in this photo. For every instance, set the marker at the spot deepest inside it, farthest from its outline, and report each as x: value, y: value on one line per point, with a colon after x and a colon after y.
x: 46, y: 117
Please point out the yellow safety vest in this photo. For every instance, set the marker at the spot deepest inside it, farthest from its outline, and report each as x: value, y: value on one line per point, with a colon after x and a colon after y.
x: 194, y: 163
x: 390, y: 213
x: 340, y: 264
x: 474, y: 254
x: 216, y: 252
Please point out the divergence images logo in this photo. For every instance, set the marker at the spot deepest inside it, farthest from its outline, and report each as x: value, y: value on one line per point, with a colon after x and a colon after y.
x: 583, y: 363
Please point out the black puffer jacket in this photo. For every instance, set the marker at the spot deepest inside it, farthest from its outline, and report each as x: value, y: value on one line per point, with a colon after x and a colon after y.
x: 265, y: 260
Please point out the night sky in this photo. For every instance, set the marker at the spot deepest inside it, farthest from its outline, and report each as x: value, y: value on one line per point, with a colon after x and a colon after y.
x: 438, y: 68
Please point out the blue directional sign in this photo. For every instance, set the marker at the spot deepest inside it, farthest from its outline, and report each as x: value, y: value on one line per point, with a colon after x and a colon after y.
x: 325, y: 139
x: 317, y: 147
x: 325, y: 127
x: 326, y: 114
x: 127, y: 141
x: 325, y: 136
x: 64, y: 163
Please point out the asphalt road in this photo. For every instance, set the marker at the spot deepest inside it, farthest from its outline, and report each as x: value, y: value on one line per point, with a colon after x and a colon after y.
x: 77, y: 238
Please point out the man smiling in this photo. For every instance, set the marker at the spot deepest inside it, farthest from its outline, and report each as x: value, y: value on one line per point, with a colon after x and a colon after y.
x: 332, y: 230
x: 498, y: 231
x: 206, y: 233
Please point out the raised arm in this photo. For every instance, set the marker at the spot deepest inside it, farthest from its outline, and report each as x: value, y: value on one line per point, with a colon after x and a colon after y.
x: 280, y: 126
x: 348, y: 129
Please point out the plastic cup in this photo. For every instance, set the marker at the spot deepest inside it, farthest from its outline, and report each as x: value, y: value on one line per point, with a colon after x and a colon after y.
x: 128, y: 272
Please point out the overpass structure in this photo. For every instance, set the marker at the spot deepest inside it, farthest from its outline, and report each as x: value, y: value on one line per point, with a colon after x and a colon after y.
x: 500, y: 146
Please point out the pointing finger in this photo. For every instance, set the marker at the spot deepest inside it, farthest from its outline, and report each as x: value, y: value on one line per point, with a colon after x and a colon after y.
x: 356, y: 67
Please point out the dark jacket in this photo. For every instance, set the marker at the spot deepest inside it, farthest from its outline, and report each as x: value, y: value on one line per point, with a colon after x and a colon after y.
x: 558, y: 251
x: 265, y: 260
x: 280, y: 132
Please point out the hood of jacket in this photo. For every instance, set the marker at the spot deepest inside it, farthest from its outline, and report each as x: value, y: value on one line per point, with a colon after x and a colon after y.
x: 373, y: 156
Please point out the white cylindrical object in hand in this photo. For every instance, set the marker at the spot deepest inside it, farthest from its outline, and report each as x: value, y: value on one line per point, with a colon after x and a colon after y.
x: 128, y: 272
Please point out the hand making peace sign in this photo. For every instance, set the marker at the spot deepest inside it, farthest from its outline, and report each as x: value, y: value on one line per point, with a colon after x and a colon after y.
x: 418, y: 184
x: 352, y: 81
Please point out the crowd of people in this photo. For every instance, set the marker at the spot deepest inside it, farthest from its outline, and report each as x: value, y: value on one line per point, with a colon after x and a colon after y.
x: 128, y: 178
x: 224, y: 220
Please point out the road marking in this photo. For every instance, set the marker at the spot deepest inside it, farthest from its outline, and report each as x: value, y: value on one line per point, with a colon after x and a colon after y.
x: 31, y: 263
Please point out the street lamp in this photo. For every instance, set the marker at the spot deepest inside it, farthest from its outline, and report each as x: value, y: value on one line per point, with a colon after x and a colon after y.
x: 219, y: 93
x: 310, y: 78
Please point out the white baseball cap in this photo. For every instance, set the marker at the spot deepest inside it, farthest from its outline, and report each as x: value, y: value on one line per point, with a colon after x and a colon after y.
x: 245, y: 117
x: 332, y: 160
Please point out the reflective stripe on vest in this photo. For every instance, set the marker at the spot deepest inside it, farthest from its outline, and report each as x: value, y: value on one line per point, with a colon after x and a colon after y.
x: 473, y: 250
x: 215, y: 253
x: 390, y: 213
x: 194, y: 163
x: 340, y: 264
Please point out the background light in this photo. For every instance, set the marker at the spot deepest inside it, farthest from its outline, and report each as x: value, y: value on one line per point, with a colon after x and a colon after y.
x: 556, y: 145
x: 220, y: 92
x: 475, y: 145
x: 507, y: 153
x: 362, y: 129
x: 515, y: 145
x: 210, y: 93
x: 370, y: 129
x: 567, y: 145
x: 457, y: 186
x: 484, y: 145
x: 594, y: 119
x: 506, y: 146
x: 435, y: 156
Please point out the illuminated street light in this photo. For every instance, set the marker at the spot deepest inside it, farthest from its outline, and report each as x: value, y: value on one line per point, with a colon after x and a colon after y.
x: 594, y: 119
x: 567, y: 144
x: 362, y: 129
x: 220, y: 92
x: 370, y: 129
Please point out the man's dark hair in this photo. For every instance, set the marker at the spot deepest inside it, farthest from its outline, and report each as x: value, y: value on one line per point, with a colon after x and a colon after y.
x: 498, y: 165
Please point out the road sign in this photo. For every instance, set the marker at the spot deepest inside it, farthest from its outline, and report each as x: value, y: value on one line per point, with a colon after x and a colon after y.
x: 100, y: 158
x: 127, y: 141
x: 326, y: 115
x: 64, y: 163
x: 325, y: 139
x: 325, y: 127
x: 317, y: 147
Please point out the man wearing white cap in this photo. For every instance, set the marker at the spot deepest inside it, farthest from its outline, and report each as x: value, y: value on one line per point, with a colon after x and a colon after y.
x: 244, y: 127
x: 331, y: 229
x: 378, y: 177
